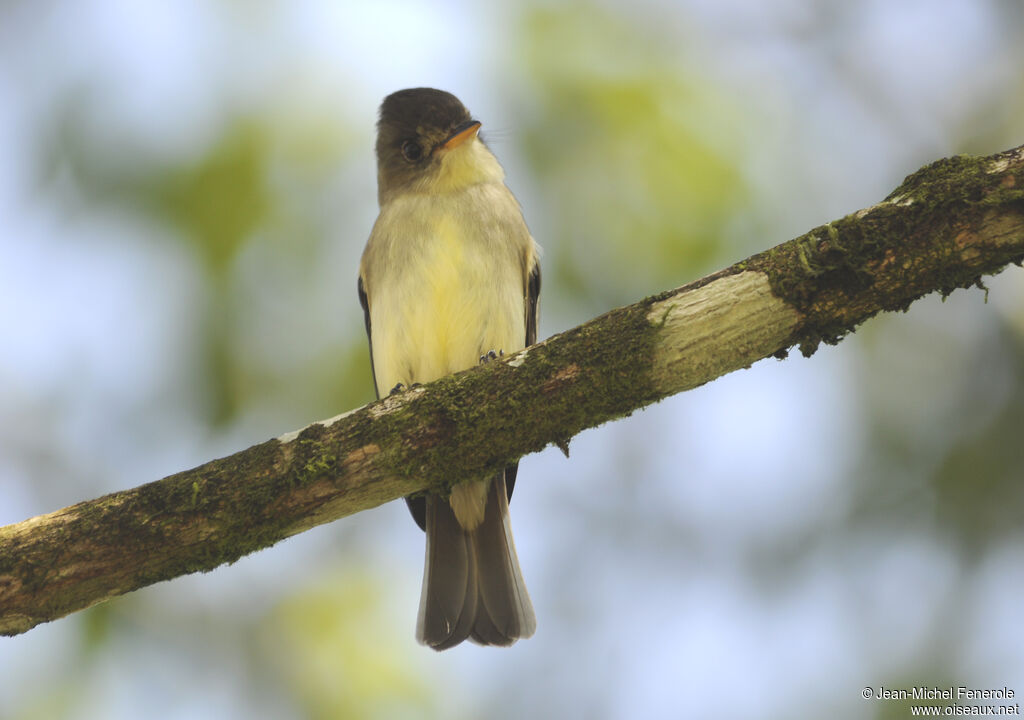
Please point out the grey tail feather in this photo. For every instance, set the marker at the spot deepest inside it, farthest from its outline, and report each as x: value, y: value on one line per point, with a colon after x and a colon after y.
x: 472, y: 585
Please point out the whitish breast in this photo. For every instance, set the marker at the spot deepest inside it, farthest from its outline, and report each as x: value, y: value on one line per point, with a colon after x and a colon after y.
x: 448, y: 289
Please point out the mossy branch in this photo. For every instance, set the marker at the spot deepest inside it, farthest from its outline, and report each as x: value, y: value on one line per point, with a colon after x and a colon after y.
x: 945, y: 227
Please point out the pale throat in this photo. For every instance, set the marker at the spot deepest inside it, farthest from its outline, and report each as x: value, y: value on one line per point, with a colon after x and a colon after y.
x: 468, y: 164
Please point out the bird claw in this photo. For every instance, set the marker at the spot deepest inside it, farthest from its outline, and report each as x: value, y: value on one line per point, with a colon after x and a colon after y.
x: 491, y: 355
x: 402, y: 387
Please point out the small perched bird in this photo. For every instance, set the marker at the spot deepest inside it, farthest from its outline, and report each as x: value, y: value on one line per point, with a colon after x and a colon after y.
x: 449, y: 278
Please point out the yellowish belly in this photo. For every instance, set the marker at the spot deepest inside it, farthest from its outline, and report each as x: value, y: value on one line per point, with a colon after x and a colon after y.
x: 448, y: 301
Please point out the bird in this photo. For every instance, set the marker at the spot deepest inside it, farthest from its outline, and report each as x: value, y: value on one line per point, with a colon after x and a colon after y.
x: 450, y: 278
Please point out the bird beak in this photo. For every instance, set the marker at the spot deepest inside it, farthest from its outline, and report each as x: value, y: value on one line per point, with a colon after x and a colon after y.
x: 463, y: 132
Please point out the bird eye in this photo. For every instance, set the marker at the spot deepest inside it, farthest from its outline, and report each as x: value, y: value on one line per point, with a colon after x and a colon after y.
x: 411, y: 150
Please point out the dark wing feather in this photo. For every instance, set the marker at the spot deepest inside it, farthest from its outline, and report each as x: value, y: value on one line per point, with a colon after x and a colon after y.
x: 532, y: 313
x: 532, y: 304
x: 364, y: 301
x: 417, y: 504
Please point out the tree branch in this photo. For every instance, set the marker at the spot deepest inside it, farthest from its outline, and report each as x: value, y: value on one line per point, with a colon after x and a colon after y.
x: 943, y: 228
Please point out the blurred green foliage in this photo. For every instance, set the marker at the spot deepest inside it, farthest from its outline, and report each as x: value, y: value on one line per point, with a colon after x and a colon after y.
x: 257, y: 187
x: 977, y: 479
x: 636, y: 154
x: 337, y: 649
x: 945, y: 421
x: 219, y: 201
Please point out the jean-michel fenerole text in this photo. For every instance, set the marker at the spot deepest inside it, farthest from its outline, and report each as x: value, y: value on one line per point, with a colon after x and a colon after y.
x: 944, y: 693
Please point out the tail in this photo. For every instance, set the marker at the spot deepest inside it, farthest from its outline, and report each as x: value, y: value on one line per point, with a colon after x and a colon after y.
x: 472, y: 585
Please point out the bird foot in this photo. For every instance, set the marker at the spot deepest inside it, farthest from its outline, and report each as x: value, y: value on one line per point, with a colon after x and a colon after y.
x: 401, y: 388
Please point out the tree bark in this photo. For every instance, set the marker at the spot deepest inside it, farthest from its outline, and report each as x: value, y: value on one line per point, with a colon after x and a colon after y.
x: 943, y: 228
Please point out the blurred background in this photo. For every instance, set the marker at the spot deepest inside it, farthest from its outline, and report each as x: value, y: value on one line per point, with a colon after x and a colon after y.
x: 185, y: 190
